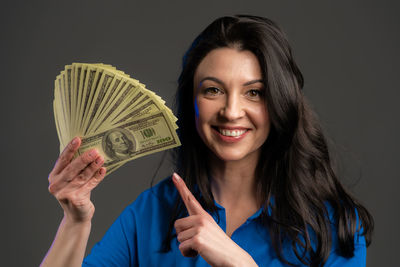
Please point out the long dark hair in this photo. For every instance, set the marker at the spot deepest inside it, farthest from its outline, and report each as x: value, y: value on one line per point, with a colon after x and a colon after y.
x: 297, y: 183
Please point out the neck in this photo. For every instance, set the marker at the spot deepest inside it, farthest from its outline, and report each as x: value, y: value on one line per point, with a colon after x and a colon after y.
x: 233, y: 183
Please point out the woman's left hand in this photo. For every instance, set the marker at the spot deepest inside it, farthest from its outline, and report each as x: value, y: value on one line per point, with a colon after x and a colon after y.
x: 199, y: 233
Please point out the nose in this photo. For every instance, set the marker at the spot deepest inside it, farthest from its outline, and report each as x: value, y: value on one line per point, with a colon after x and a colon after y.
x: 233, y: 108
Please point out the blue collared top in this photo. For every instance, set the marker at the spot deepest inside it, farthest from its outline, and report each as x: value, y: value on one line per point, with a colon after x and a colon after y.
x: 135, y: 238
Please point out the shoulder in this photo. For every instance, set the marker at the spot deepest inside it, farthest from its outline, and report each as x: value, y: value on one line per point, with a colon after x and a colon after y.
x: 162, y: 196
x: 335, y: 255
x: 147, y: 215
x: 140, y: 227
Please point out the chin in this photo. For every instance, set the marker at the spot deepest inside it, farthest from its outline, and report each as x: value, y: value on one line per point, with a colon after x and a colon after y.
x: 230, y: 156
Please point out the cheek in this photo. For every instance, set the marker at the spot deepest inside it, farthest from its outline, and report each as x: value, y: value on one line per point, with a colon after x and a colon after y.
x: 260, y: 117
x: 204, y: 113
x: 203, y: 110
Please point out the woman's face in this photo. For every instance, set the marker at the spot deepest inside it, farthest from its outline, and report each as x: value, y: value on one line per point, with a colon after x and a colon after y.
x: 231, y: 114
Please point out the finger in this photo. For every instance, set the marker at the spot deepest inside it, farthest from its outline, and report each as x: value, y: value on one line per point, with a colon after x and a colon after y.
x: 80, y: 163
x: 186, y: 223
x: 94, y: 181
x: 66, y: 156
x: 187, y: 234
x: 187, y: 249
x: 78, y: 180
x: 73, y: 171
x: 191, y: 203
x: 89, y: 171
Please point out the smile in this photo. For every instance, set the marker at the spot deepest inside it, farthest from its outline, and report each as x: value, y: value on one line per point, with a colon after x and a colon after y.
x: 232, y: 133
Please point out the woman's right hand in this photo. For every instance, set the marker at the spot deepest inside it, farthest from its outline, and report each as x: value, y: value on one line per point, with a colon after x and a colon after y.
x: 72, y: 180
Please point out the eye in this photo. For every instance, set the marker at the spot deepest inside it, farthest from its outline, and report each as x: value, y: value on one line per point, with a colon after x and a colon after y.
x: 255, y: 93
x: 212, y: 91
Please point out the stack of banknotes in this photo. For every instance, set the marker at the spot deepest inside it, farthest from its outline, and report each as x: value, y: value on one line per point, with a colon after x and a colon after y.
x: 111, y: 112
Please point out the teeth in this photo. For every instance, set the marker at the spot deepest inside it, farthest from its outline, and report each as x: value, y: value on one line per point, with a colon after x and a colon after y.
x: 233, y: 133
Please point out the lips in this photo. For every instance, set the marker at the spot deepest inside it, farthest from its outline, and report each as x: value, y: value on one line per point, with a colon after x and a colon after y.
x: 232, y: 133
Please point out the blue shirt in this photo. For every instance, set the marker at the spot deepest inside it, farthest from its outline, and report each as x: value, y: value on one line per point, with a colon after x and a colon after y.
x: 135, y: 238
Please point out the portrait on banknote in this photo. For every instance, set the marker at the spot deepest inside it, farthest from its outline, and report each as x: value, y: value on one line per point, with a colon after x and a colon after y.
x: 118, y: 143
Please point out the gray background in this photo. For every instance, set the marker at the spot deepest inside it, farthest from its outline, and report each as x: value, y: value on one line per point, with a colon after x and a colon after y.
x: 348, y: 52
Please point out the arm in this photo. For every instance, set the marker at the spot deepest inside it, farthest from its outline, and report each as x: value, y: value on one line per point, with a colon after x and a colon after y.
x: 71, y: 182
x: 69, y: 246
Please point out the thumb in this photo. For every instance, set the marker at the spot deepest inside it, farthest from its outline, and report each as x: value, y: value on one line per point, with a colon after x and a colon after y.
x: 191, y: 203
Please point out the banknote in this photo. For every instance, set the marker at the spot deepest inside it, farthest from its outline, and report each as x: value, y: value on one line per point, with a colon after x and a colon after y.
x: 134, y: 139
x: 111, y: 112
x: 98, y: 95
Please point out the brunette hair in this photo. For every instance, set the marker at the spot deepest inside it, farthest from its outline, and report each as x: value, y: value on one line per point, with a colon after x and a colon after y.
x: 297, y: 183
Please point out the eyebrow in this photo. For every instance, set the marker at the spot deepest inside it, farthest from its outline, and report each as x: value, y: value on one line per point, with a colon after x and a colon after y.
x: 210, y: 78
x: 253, y: 81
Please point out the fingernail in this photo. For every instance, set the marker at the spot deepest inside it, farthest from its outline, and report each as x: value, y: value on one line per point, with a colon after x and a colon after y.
x: 176, y: 176
x: 74, y: 141
x: 92, y: 153
x: 99, y: 160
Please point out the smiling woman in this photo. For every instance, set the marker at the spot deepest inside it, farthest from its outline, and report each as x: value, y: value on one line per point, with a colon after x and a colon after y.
x: 257, y: 184
x: 243, y: 79
x: 232, y: 119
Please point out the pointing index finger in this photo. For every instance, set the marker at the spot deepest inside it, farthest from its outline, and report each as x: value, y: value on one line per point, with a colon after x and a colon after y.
x: 191, y: 203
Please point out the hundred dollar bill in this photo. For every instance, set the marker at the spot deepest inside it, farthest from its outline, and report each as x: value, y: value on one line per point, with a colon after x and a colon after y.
x: 145, y: 108
x: 60, y: 109
x: 128, y: 91
x: 104, y: 83
x: 104, y: 103
x: 112, y: 112
x: 81, y: 74
x: 92, y: 77
x: 67, y: 92
x: 133, y: 139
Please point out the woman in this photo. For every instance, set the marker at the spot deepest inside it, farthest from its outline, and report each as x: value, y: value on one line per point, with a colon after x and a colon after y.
x: 258, y: 187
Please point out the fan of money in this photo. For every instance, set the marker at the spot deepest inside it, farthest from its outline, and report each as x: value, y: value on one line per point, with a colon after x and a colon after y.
x: 111, y: 112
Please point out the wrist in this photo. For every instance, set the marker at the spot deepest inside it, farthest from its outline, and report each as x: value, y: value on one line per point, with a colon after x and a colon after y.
x: 242, y: 258
x: 70, y: 222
